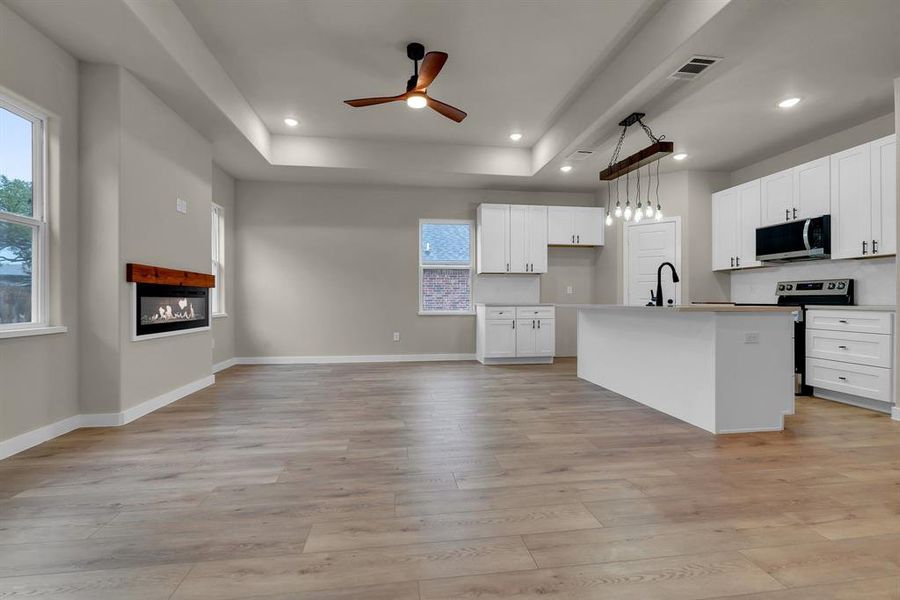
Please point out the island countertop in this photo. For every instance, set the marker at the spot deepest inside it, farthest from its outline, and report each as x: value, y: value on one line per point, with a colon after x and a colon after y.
x: 725, y: 308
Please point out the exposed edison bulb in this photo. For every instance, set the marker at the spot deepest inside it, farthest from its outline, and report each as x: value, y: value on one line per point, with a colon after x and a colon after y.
x: 648, y: 212
x: 608, y: 219
x: 416, y: 101
x: 638, y: 215
x: 618, y: 211
x: 659, y: 215
x: 626, y: 214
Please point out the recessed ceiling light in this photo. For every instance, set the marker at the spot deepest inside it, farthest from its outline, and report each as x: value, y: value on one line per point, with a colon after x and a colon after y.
x: 416, y: 101
x: 565, y: 168
x: 291, y: 122
x: 789, y: 102
x: 679, y: 156
x: 515, y: 136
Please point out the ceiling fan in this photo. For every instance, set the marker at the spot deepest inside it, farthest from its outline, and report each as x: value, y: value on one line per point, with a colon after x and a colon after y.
x: 416, y: 94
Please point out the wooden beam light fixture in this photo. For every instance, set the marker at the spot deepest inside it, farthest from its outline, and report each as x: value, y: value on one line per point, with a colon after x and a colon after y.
x: 622, y: 168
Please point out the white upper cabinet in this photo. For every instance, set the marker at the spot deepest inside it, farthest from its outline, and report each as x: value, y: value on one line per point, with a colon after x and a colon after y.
x: 851, y: 205
x: 884, y: 195
x: 811, y: 189
x: 736, y: 215
x: 575, y: 225
x: 777, y: 194
x: 493, y: 238
x: 512, y: 238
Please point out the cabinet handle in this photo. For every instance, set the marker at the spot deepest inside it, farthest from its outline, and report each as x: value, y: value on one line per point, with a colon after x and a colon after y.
x: 842, y: 378
x: 514, y: 323
x: 573, y: 238
x: 874, y: 246
x: 864, y: 247
x: 507, y: 266
x: 578, y: 238
x: 787, y: 212
x: 842, y: 347
x: 737, y: 261
x: 842, y: 321
x: 795, y: 213
x: 532, y: 323
x: 539, y: 323
x: 732, y: 261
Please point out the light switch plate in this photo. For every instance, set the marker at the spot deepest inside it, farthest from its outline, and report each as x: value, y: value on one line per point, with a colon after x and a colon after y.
x: 570, y: 289
x: 181, y: 206
x: 751, y: 337
x: 396, y: 336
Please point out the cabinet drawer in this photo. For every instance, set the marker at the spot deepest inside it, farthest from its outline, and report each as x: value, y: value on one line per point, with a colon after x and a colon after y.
x: 500, y: 312
x: 535, y: 312
x: 859, y: 348
x: 850, y: 320
x: 859, y: 380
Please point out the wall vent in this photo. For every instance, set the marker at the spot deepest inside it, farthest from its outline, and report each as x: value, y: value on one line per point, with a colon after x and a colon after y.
x: 693, y: 68
x: 580, y: 155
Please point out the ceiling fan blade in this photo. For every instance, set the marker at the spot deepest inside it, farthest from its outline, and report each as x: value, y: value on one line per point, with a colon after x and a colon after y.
x: 451, y: 112
x: 373, y: 101
x: 431, y: 66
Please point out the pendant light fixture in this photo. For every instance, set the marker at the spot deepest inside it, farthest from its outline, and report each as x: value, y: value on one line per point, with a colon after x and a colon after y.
x: 623, y: 168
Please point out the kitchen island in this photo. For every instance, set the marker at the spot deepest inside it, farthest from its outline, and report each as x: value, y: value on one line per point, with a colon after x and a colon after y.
x: 720, y: 367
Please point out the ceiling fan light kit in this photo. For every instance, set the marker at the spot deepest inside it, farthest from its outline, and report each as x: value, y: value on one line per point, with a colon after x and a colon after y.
x: 617, y: 169
x: 416, y: 95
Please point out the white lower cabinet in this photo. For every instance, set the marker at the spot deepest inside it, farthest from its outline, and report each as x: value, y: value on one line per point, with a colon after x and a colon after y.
x: 519, y: 334
x: 850, y: 352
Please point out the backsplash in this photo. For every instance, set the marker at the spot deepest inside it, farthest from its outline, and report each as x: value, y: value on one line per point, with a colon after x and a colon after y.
x: 876, y: 279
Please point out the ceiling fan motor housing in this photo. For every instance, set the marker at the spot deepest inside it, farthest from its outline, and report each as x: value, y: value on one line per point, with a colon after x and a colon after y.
x: 415, y: 51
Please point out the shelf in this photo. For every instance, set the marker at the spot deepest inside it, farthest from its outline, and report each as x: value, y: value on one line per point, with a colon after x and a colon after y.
x: 137, y: 273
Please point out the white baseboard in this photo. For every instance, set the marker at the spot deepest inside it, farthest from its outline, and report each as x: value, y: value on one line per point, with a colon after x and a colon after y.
x: 221, y: 366
x: 48, y: 432
x: 362, y: 358
x: 895, y: 413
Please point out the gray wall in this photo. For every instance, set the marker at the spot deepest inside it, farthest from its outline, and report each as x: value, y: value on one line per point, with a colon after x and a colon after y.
x: 39, y: 375
x: 897, y: 337
x: 332, y: 270
x: 223, y: 327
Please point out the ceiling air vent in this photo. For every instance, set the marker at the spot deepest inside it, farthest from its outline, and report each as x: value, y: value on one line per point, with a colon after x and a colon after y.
x: 694, y: 67
x: 580, y: 155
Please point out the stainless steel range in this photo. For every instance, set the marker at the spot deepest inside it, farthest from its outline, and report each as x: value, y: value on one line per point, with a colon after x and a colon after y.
x: 802, y: 294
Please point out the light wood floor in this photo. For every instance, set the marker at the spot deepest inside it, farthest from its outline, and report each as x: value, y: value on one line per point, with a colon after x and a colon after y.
x: 450, y: 480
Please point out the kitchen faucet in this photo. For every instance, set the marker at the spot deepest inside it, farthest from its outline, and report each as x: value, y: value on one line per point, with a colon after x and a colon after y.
x: 659, y: 292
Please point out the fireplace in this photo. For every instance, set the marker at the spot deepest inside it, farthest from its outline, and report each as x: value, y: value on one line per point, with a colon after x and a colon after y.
x: 168, y: 302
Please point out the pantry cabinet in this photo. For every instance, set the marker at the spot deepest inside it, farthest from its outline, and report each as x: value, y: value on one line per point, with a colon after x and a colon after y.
x: 511, y: 238
x: 864, y: 200
x: 575, y: 225
x: 736, y: 215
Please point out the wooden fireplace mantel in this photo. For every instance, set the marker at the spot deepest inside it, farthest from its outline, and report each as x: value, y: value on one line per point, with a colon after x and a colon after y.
x: 137, y: 273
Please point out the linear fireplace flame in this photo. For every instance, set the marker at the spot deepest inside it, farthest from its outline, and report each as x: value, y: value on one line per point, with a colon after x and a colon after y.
x: 169, y: 309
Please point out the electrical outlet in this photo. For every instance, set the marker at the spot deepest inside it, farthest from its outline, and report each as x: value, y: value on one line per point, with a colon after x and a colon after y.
x: 396, y: 336
x: 181, y: 205
x: 751, y: 337
x: 570, y: 289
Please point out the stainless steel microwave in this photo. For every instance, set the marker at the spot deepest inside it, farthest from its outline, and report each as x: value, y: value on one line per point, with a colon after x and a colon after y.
x: 803, y: 239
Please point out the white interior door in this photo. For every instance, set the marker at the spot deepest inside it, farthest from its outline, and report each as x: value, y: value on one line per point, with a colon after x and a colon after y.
x: 648, y: 245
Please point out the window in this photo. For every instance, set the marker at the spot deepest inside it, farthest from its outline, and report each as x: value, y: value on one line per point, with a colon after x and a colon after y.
x: 23, y: 226
x: 445, y: 267
x: 217, y: 294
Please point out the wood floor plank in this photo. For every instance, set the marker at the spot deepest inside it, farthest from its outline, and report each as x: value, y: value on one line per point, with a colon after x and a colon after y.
x: 142, y: 583
x: 884, y: 588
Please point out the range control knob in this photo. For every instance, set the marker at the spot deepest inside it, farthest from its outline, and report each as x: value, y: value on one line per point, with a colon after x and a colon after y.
x: 790, y: 287
x: 842, y: 285
x: 831, y: 286
x: 780, y: 287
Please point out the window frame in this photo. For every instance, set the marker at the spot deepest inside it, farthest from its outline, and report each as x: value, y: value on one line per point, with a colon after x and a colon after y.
x: 220, y: 310
x: 471, y: 267
x: 40, y: 264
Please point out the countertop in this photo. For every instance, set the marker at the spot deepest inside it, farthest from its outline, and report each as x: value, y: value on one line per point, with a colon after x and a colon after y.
x: 872, y: 307
x: 725, y: 308
x: 489, y: 304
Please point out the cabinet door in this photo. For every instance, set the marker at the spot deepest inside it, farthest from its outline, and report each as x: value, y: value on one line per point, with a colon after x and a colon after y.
x: 588, y: 225
x: 545, y: 338
x: 560, y: 226
x: 493, y: 238
x: 777, y: 194
x: 747, y: 222
x: 536, y: 225
x: 518, y: 239
x: 812, y: 183
x: 884, y: 194
x: 500, y: 339
x: 526, y: 337
x: 724, y: 225
x: 851, y: 203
